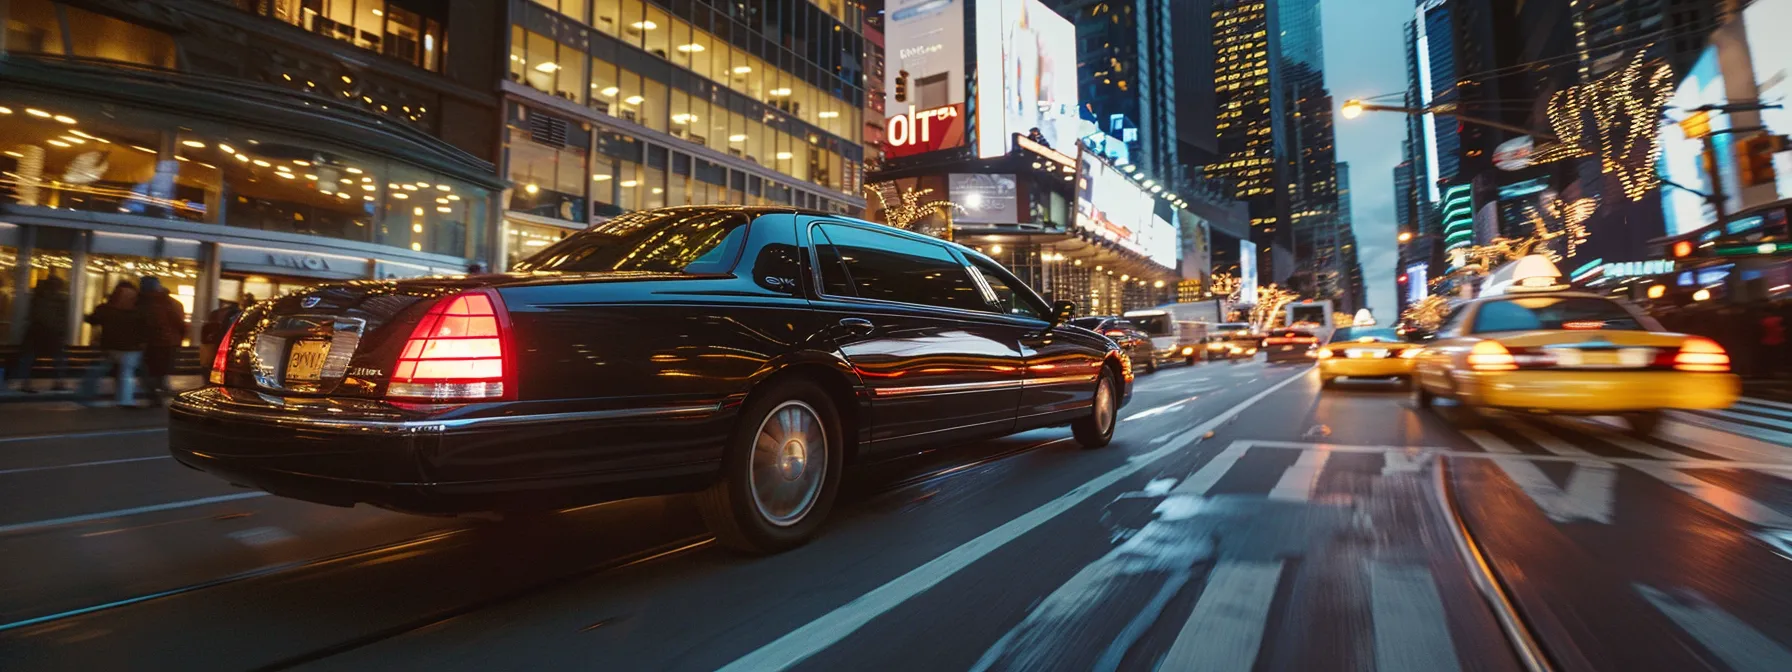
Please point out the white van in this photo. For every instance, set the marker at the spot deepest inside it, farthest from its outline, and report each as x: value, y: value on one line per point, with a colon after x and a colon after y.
x: 1171, y: 338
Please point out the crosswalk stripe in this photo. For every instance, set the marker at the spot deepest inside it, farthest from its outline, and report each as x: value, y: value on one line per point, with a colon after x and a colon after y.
x: 1411, y: 634
x: 1718, y: 497
x: 1605, y: 433
x: 1203, y: 479
x: 1589, y: 495
x: 1757, y: 401
x: 1547, y: 442
x: 1751, y: 431
x: 1299, y: 481
x: 1226, y: 629
x: 1749, y: 417
x: 1759, y: 409
x: 1719, y: 443
x: 1741, y: 646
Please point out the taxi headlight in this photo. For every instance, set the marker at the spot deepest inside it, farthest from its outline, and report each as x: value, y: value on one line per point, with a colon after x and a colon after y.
x: 1324, y: 354
x: 1188, y: 350
x: 1411, y: 353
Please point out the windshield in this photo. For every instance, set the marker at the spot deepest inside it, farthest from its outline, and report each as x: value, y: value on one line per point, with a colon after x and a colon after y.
x: 1381, y: 334
x: 1090, y: 323
x: 1555, y: 312
x: 680, y: 240
x: 1156, y: 325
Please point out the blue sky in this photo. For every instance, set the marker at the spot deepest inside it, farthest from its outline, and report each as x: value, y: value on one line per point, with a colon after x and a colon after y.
x: 1363, y: 58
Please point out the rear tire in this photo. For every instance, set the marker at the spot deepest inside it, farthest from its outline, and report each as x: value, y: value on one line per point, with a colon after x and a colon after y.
x: 1151, y: 363
x: 1644, y: 423
x: 1422, y: 397
x: 776, y: 488
x: 1325, y: 383
x: 1097, y: 429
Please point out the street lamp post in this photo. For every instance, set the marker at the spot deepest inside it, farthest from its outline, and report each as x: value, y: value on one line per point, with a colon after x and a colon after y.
x: 1355, y: 108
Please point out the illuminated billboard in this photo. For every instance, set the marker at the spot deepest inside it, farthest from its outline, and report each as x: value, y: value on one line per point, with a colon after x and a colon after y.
x: 1247, y: 273
x: 984, y: 199
x: 924, y: 73
x: 1770, y: 54
x: 1682, y: 158
x: 1026, y: 67
x: 1111, y: 206
x: 1418, y: 285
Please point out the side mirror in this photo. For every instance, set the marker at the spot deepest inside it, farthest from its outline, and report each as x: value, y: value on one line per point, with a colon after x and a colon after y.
x: 1062, y: 311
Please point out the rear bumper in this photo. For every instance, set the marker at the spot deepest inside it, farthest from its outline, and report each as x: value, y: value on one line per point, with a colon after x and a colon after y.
x: 454, y: 460
x: 1597, y: 392
x: 1287, y: 353
x: 1380, y: 367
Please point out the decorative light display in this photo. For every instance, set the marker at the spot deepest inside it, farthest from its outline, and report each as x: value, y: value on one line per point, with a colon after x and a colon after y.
x: 1619, y: 115
x: 1271, y: 299
x: 1225, y: 287
x: 912, y: 214
x: 1561, y: 219
x: 1428, y: 314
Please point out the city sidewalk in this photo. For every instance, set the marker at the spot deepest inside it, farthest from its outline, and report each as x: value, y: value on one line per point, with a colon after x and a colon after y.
x: 52, y: 412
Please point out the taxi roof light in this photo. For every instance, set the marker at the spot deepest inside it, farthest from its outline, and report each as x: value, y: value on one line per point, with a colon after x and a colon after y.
x: 1702, y: 355
x: 1491, y: 356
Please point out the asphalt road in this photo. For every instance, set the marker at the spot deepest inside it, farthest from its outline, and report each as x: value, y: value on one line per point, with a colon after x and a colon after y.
x: 1242, y: 519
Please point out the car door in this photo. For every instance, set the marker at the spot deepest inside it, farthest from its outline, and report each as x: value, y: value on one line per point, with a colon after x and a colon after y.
x: 1432, y: 370
x: 1061, y: 364
x: 938, y: 363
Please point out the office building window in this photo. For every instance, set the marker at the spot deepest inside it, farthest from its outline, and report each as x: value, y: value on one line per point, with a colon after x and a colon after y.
x: 379, y: 26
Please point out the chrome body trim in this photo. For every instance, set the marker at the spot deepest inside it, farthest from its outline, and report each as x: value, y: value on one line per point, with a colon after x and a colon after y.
x: 356, y: 426
x: 947, y: 388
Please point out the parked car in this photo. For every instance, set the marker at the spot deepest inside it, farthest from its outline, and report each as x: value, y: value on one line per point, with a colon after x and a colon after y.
x: 1135, y: 343
x: 743, y: 353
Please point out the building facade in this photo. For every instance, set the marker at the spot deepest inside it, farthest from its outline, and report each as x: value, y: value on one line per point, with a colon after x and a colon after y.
x: 238, y: 150
x: 1249, y: 111
x: 619, y: 105
x: 1125, y: 68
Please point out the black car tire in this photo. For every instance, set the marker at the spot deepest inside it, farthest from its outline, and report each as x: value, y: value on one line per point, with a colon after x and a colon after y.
x: 1150, y: 362
x: 1422, y: 397
x: 1089, y: 430
x: 1643, y: 423
x: 730, y: 507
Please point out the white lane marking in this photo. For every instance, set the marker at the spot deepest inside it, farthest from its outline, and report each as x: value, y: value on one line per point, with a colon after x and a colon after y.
x: 1226, y: 628
x: 1722, y: 499
x: 1547, y: 442
x: 1198, y: 483
x: 1403, y: 462
x: 1741, y: 647
x: 80, y: 435
x: 22, y: 470
x: 120, y: 513
x: 1421, y: 451
x: 1589, y: 494
x: 1166, y: 408
x: 1411, y: 634
x: 1299, y: 481
x: 1159, y: 487
x: 819, y: 634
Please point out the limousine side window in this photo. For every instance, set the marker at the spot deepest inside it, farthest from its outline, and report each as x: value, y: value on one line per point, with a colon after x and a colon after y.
x: 896, y: 268
x: 667, y: 241
x: 833, y: 270
x: 1011, y: 297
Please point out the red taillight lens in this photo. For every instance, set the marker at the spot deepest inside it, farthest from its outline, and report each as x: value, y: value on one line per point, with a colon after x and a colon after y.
x: 457, y: 351
x: 221, y: 360
x: 1702, y: 355
x: 1491, y: 356
x: 1115, y: 333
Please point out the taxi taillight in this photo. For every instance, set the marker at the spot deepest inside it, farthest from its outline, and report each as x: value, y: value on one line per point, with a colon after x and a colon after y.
x: 1491, y: 356
x: 221, y: 361
x: 1701, y: 355
x: 457, y: 352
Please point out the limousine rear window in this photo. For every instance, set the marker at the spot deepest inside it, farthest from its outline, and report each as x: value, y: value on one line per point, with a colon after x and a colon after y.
x: 656, y: 241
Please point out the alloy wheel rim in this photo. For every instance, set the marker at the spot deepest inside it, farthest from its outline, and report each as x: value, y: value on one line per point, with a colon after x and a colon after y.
x: 1104, y: 406
x: 790, y: 453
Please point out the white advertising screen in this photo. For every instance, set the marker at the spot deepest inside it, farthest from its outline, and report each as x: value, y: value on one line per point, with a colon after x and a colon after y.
x: 1681, y: 157
x: 1771, y: 55
x: 1026, y: 62
x: 1418, y: 286
x: 1111, y: 206
x: 1247, y: 272
x: 926, y: 39
x: 984, y: 199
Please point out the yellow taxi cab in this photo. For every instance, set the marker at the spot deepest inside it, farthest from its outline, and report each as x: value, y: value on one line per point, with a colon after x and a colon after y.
x: 1366, y: 352
x: 1528, y: 344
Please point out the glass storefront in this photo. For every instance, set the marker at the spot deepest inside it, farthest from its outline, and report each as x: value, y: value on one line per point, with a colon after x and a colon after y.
x: 523, y: 240
x: 147, y: 163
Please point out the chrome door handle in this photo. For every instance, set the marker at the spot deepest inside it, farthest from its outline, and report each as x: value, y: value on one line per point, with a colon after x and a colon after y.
x: 858, y: 325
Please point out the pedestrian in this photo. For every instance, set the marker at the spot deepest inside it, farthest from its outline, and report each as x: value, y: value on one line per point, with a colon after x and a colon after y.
x: 475, y: 269
x: 122, y: 337
x: 165, y: 323
x: 46, y: 333
x: 216, y: 323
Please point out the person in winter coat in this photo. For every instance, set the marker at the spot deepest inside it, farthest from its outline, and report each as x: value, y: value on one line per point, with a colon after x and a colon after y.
x: 166, y: 325
x: 123, y: 333
x: 46, y: 332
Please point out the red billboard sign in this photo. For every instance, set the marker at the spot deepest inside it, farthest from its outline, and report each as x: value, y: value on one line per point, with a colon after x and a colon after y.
x: 918, y: 132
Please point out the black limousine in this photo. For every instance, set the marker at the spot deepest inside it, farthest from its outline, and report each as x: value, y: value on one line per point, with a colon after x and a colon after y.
x: 746, y: 354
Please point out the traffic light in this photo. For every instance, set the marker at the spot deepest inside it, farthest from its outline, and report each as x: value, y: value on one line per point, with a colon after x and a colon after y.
x: 901, y: 86
x: 1755, y: 158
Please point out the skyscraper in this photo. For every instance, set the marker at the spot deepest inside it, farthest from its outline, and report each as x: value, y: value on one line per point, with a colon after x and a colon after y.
x: 1249, y: 105
x: 1312, y: 156
x: 1125, y: 68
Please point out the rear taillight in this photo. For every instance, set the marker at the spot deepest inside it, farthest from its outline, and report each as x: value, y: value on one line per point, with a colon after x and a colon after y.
x: 1491, y: 356
x: 457, y: 352
x: 1411, y: 353
x: 1114, y: 333
x: 1324, y: 353
x: 221, y: 361
x: 1702, y: 355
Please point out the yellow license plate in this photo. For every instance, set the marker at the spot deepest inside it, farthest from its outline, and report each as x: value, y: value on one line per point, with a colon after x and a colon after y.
x: 305, y: 364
